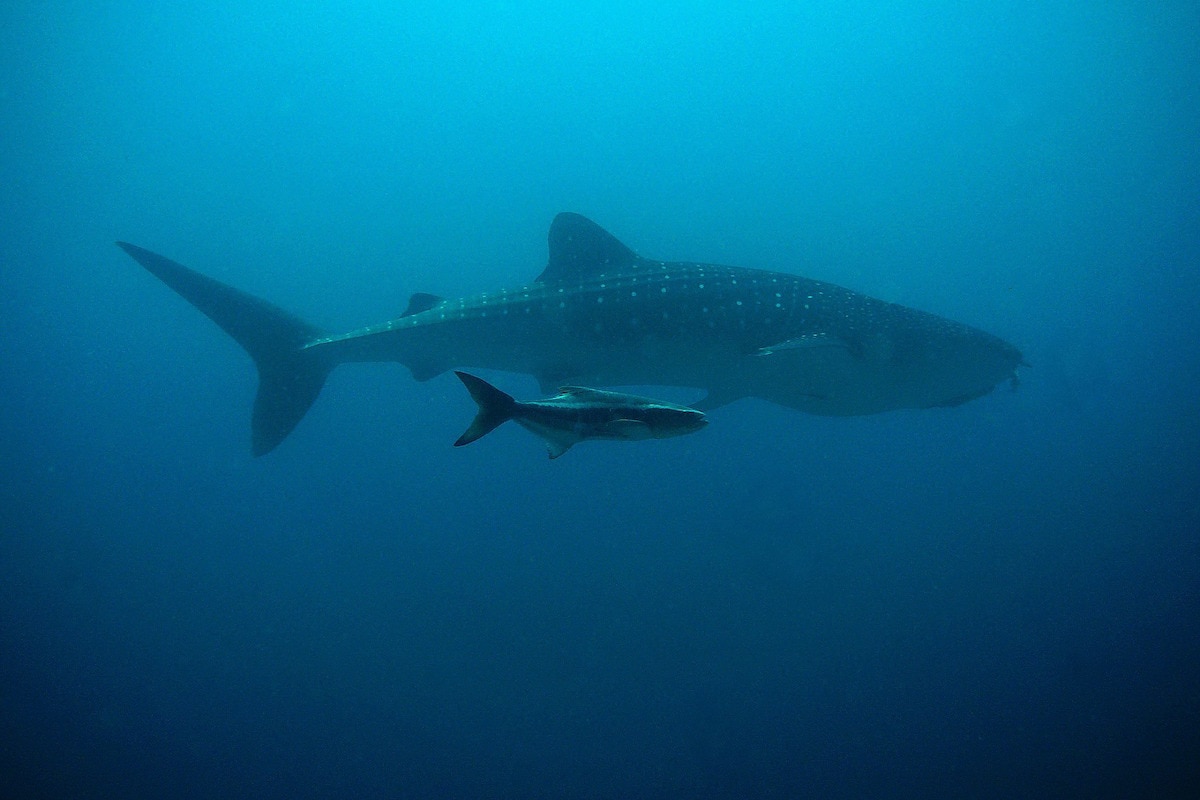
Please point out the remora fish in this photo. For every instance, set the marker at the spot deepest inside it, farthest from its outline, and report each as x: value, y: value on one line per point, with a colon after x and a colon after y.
x: 577, y: 413
x: 601, y: 315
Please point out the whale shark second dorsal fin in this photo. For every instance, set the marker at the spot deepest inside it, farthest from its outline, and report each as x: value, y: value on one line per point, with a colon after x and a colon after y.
x: 422, y: 301
x: 579, y: 248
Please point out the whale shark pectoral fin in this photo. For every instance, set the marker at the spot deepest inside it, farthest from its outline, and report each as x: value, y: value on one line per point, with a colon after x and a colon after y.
x: 962, y: 398
x: 718, y: 396
x: 423, y: 371
x: 812, y: 341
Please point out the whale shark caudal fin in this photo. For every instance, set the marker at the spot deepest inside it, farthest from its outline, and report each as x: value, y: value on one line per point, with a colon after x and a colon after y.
x: 289, y: 377
x: 495, y: 408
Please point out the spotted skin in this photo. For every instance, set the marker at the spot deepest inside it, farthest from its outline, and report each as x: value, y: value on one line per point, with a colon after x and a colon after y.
x: 736, y: 332
x: 601, y: 315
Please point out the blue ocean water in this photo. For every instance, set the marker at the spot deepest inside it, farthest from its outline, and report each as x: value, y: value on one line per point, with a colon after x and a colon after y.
x: 994, y: 600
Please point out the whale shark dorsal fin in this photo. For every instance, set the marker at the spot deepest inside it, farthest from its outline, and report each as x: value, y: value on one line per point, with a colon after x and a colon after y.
x: 580, y: 248
x: 422, y: 301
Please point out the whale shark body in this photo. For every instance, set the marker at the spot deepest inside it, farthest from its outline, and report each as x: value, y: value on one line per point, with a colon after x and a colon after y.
x: 601, y: 315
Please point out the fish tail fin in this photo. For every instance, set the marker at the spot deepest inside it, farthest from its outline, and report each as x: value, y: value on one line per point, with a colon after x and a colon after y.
x: 289, y: 376
x: 495, y: 408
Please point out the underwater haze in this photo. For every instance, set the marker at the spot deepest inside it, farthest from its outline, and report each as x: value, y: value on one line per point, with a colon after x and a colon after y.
x: 994, y: 600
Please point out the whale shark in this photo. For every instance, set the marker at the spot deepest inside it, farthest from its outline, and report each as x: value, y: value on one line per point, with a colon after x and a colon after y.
x: 576, y: 414
x: 601, y: 315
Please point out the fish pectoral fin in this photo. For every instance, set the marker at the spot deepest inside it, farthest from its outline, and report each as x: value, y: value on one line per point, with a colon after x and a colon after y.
x: 630, y: 429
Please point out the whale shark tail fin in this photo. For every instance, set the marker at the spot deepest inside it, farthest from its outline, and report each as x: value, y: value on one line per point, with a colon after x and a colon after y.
x: 289, y: 376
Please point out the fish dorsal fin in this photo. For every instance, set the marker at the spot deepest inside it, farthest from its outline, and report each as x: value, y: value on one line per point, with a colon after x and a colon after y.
x: 579, y: 248
x: 584, y: 394
x: 422, y: 302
